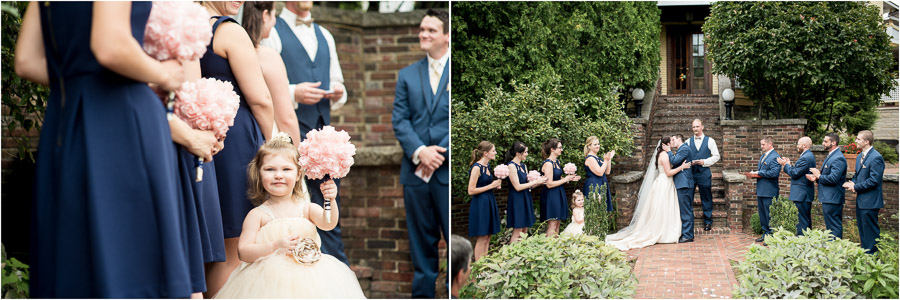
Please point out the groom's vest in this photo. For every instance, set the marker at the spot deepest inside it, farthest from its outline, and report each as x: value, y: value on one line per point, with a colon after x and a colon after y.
x: 702, y: 175
x: 300, y: 68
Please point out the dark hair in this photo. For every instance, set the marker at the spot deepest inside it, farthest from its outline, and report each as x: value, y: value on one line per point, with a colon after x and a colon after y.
x: 442, y: 15
x: 253, y: 18
x: 479, y: 151
x: 679, y: 136
x: 834, y: 138
x: 665, y: 140
x: 517, y: 147
x: 550, y: 144
x: 460, y: 254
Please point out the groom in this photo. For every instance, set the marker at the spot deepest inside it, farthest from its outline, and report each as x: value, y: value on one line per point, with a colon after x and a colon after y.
x: 684, y: 183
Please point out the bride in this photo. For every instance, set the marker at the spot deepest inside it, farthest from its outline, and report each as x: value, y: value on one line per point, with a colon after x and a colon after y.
x: 657, y: 216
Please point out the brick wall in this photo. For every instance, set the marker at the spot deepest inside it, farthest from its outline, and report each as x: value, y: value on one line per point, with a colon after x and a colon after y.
x: 372, y: 48
x: 886, y: 127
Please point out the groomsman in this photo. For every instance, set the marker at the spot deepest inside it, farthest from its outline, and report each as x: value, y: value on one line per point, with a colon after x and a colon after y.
x: 866, y: 183
x: 317, y: 85
x: 421, y: 120
x: 766, y: 174
x: 684, y: 184
x: 802, y: 190
x: 830, y: 179
x: 705, y: 153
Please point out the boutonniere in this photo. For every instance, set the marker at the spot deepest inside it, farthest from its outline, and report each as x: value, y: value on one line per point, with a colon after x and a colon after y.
x: 826, y: 167
x: 864, y: 166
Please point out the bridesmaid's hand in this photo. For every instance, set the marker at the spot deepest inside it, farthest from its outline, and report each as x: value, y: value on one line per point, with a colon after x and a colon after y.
x: 288, y: 243
x: 610, y: 155
x: 541, y: 180
x: 175, y: 75
x: 202, y: 144
x: 495, y: 184
x: 329, y: 189
x: 220, y: 145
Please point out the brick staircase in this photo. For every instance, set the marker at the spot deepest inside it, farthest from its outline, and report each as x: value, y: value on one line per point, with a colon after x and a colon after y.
x: 672, y: 114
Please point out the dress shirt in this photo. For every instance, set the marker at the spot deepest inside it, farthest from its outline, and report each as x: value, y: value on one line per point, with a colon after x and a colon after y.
x: 307, y: 37
x: 713, y: 150
x: 864, y: 153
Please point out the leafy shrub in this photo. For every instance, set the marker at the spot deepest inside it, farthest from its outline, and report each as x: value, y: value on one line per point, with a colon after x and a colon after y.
x: 851, y: 229
x: 783, y: 214
x: 533, y: 115
x: 15, y: 277
x: 597, y: 220
x: 888, y: 152
x: 754, y: 223
x: 569, y: 266
x: 888, y: 254
x: 813, y: 266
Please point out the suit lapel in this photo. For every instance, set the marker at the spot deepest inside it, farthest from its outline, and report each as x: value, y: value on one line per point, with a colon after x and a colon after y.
x: 426, y: 83
x: 442, y: 84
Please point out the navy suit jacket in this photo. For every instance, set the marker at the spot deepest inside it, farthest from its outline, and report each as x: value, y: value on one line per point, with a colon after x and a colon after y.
x: 421, y: 118
x: 867, y: 180
x: 685, y: 178
x: 833, y: 175
x: 769, y: 169
x: 802, y: 190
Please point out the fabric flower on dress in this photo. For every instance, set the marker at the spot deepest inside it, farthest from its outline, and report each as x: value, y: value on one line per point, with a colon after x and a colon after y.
x: 177, y: 30
x: 501, y: 171
x: 326, y: 152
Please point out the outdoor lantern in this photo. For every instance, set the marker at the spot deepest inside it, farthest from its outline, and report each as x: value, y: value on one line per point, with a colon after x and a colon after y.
x: 728, y: 96
x: 638, y: 95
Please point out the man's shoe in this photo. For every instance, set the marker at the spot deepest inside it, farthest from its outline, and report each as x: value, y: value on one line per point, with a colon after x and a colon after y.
x: 761, y: 239
x: 764, y: 244
x: 708, y: 227
x: 684, y: 240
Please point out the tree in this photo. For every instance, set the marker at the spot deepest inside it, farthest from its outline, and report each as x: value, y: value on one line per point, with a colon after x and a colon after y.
x: 593, y: 47
x: 828, y: 62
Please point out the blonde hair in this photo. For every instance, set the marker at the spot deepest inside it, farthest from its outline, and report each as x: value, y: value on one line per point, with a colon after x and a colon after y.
x: 576, y: 194
x: 278, y: 145
x: 587, y: 144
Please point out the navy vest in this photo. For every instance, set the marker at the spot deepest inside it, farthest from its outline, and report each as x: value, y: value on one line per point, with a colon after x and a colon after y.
x: 300, y: 68
x: 702, y: 175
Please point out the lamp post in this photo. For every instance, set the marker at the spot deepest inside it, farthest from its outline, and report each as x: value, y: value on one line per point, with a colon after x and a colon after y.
x: 638, y: 95
x: 728, y: 96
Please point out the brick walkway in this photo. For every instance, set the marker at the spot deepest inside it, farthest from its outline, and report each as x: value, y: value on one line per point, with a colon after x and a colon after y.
x: 692, y: 270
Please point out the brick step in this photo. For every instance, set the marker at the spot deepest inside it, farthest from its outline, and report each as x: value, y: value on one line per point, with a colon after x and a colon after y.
x: 699, y: 113
x: 700, y: 100
x: 717, y: 214
x: 715, y: 230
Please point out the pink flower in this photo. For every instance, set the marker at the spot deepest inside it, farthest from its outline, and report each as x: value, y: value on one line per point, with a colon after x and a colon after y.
x: 501, y: 171
x: 569, y: 169
x: 326, y: 152
x: 207, y: 104
x: 533, y: 175
x: 177, y: 29
x: 801, y: 17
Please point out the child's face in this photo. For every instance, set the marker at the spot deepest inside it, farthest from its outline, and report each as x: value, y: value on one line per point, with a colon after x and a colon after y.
x: 579, y: 201
x: 278, y: 174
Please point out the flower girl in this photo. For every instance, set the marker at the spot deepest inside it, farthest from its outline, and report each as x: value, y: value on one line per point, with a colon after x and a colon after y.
x: 577, y: 225
x: 279, y: 246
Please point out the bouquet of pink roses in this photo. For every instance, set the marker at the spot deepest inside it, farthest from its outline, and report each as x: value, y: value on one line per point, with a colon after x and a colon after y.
x: 533, y: 175
x: 207, y: 104
x: 177, y: 30
x: 326, y: 152
x: 569, y: 169
x: 501, y: 171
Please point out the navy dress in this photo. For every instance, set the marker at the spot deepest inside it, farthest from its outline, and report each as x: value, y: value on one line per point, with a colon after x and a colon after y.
x: 554, y: 205
x: 484, y: 217
x: 108, y: 216
x: 204, y: 199
x: 598, y: 181
x: 519, y: 210
x: 241, y: 144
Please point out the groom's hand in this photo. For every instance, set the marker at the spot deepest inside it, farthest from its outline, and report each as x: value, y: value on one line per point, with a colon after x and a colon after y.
x: 431, y: 156
x: 698, y: 162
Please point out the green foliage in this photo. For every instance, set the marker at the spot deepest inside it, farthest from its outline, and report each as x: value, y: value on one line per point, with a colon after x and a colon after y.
x: 24, y: 99
x: 851, y: 231
x: 593, y: 48
x: 888, y: 251
x: 826, y: 61
x: 597, y: 221
x: 783, y: 214
x: 579, y: 267
x: 754, y: 223
x: 533, y: 115
x: 15, y: 277
x: 888, y: 152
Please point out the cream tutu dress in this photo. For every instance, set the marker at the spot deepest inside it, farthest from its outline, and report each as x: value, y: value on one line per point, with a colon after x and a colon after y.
x: 279, y: 275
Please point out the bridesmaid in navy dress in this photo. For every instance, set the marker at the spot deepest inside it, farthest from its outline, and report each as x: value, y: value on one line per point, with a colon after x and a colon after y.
x: 519, y: 211
x: 108, y: 218
x: 554, y: 206
x: 484, y: 217
x: 231, y: 56
x: 596, y: 169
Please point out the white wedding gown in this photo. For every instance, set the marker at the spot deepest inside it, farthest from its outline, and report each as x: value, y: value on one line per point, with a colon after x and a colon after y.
x: 657, y: 217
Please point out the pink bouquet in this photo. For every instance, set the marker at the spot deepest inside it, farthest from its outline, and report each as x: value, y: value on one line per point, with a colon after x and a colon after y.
x: 501, y: 171
x: 177, y: 29
x: 569, y: 169
x: 326, y: 152
x: 533, y: 175
x: 207, y: 104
